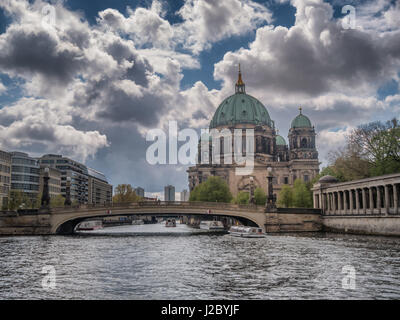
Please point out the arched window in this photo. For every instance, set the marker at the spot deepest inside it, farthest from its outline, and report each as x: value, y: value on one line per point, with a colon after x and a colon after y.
x: 304, y: 143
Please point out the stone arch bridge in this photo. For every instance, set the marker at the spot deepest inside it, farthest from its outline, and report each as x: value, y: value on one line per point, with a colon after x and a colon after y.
x: 64, y: 220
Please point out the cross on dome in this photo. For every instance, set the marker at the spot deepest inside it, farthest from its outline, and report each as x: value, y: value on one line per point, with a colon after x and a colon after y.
x: 240, y: 86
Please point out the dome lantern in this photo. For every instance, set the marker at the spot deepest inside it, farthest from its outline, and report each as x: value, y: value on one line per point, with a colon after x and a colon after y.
x: 240, y: 86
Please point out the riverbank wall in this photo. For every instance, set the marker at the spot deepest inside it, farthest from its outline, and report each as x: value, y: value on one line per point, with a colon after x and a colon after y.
x: 25, y: 224
x: 371, y: 225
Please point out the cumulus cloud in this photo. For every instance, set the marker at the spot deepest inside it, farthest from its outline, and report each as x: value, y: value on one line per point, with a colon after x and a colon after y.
x: 317, y: 64
x: 206, y: 22
x: 36, y: 122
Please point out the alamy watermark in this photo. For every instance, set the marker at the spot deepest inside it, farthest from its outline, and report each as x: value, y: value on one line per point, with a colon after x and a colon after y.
x: 49, y: 16
x: 213, y: 146
x: 49, y: 279
x: 349, y: 21
x: 349, y: 280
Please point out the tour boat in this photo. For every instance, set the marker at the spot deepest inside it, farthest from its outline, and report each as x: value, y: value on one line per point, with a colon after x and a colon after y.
x: 246, y: 232
x: 212, y: 225
x: 90, y: 225
x: 137, y: 222
x: 170, y: 223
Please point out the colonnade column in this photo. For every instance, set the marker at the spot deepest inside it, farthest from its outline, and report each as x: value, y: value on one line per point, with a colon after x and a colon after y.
x: 333, y: 202
x: 364, y: 200
x: 378, y: 199
x: 395, y: 199
x: 339, y: 202
x: 345, y: 201
x: 387, y: 201
x: 351, y: 201
x: 371, y: 201
x: 357, y: 201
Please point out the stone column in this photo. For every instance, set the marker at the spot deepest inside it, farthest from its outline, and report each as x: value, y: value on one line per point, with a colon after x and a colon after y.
x: 351, y: 201
x: 378, y: 199
x: 357, y: 201
x: 345, y: 201
x: 339, y: 202
x: 371, y: 201
x: 387, y: 202
x: 395, y: 199
x: 316, y: 201
x: 334, y: 203
x: 364, y: 200
x: 328, y: 202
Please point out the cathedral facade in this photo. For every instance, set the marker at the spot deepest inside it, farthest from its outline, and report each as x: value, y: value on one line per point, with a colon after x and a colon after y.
x: 286, y: 162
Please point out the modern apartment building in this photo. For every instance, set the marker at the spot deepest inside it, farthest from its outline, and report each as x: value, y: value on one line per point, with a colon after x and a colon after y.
x: 169, y: 193
x: 78, y: 173
x: 5, y: 177
x: 185, y: 195
x: 25, y: 175
x: 140, y: 192
x: 99, y: 191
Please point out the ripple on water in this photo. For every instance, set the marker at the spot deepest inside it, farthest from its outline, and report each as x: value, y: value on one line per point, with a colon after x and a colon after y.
x: 185, y: 266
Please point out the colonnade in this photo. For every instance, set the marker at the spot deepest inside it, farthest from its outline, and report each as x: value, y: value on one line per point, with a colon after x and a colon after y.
x: 379, y: 195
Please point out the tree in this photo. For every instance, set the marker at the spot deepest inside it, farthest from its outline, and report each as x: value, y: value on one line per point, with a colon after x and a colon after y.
x: 18, y: 200
x: 124, y: 193
x: 215, y: 189
x: 242, y: 197
x: 285, y: 198
x: 260, y: 197
x: 302, y: 196
x: 57, y: 201
x: 372, y: 149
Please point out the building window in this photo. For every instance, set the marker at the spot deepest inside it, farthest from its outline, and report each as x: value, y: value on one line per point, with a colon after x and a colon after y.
x: 306, y: 178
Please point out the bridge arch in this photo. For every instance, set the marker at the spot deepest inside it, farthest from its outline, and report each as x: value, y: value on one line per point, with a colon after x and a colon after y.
x: 64, y: 220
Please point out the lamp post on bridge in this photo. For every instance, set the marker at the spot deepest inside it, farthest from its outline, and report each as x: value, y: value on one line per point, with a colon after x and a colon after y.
x: 252, y: 200
x: 271, y: 198
x: 67, y: 201
x: 45, y: 201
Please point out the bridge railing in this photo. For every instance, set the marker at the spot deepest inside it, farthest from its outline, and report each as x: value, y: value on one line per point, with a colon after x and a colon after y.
x: 164, y: 204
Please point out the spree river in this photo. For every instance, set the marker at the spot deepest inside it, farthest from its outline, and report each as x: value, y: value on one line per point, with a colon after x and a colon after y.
x: 153, y: 262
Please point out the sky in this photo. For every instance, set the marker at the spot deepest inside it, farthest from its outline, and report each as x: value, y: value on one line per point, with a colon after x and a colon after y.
x: 89, y: 79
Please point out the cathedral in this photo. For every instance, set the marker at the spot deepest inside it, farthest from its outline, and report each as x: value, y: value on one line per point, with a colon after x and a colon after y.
x: 298, y: 160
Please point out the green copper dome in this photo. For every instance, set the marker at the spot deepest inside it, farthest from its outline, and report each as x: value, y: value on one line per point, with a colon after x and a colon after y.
x: 301, y: 121
x: 280, y: 141
x: 241, y: 108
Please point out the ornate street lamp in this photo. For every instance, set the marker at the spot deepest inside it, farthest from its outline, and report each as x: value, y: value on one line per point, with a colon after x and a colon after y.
x: 271, y: 198
x: 45, y: 203
x: 67, y: 201
x: 252, y: 200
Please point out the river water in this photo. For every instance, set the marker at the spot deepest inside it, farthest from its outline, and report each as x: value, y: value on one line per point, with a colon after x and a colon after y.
x: 153, y: 262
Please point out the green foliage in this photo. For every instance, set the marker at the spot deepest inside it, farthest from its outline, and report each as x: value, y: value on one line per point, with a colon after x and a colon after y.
x: 260, y: 197
x: 285, y: 197
x: 372, y: 149
x: 242, y: 198
x: 302, y: 196
x: 215, y: 189
x: 124, y: 193
x: 57, y: 201
x: 298, y: 196
x: 18, y: 200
